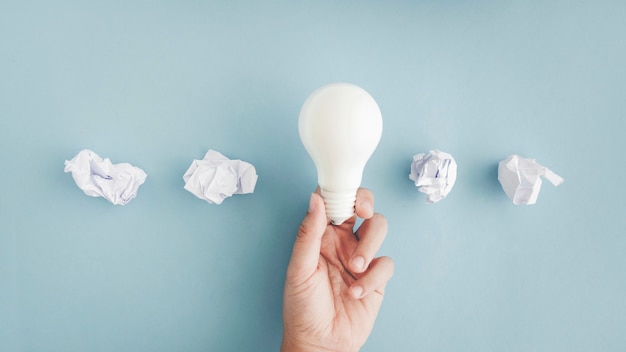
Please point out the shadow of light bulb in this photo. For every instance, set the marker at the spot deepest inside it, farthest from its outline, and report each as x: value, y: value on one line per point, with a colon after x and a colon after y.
x: 340, y: 126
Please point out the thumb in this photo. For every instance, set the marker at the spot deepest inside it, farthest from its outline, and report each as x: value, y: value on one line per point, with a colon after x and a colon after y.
x: 306, y: 249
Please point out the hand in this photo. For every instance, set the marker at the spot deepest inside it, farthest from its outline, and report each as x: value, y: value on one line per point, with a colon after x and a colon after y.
x: 335, y: 286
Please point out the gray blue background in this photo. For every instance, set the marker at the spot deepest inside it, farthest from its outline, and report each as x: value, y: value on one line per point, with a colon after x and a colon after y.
x: 158, y: 83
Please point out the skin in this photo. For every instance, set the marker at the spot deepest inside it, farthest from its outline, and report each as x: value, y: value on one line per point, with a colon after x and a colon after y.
x: 335, y: 285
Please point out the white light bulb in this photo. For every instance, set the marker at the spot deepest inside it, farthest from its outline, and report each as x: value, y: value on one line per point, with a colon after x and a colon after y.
x: 340, y: 126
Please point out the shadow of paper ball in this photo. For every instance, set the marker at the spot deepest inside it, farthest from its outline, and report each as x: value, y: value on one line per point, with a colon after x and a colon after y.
x: 492, y: 184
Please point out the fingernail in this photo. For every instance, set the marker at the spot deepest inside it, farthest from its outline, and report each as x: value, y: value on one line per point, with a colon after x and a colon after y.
x: 358, y: 262
x: 311, y: 203
x: 356, y: 291
x: 367, y: 207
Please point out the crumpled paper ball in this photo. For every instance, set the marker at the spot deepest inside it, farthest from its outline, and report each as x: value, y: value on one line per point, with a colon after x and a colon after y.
x: 97, y: 177
x: 215, y: 177
x: 521, y: 178
x: 434, y: 173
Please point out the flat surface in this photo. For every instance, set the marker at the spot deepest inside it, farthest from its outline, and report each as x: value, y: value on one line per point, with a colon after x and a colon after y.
x: 158, y: 83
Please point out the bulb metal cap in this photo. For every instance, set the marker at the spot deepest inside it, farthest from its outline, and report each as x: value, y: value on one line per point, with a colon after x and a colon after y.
x: 339, y: 205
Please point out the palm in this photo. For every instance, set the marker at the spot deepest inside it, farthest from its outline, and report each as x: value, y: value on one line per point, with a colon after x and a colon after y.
x: 333, y: 314
x: 327, y: 306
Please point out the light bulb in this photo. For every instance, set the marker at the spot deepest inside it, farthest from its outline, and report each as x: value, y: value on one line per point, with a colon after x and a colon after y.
x: 340, y: 126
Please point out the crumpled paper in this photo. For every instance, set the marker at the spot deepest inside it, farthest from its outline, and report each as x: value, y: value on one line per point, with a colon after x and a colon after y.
x: 97, y: 177
x: 434, y: 173
x: 520, y: 178
x: 215, y: 177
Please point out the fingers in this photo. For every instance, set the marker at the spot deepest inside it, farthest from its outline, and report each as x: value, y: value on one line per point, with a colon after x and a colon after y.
x: 364, y: 205
x: 371, y: 234
x: 306, y: 249
x: 375, y: 279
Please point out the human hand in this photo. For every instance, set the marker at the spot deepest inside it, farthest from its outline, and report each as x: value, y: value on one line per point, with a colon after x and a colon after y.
x: 335, y: 286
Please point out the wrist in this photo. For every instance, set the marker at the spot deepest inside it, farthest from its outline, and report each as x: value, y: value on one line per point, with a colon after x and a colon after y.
x: 290, y: 345
x: 287, y: 346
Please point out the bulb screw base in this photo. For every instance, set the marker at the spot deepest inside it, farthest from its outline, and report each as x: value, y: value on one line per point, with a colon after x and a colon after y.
x: 339, y: 205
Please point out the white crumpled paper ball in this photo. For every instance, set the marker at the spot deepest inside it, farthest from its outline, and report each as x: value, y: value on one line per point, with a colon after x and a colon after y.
x: 97, y: 177
x: 434, y: 173
x: 521, y: 178
x: 215, y: 177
